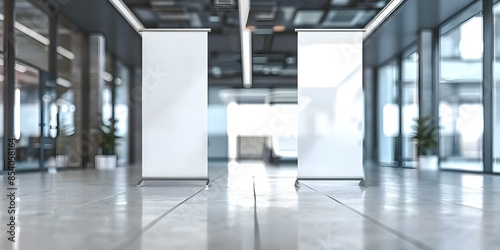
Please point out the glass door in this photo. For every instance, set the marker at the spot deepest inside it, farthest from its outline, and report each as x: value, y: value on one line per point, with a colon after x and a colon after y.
x: 460, y: 97
x: 27, y: 117
x: 496, y: 92
x: 35, y: 118
x: 49, y: 126
x: 388, y: 112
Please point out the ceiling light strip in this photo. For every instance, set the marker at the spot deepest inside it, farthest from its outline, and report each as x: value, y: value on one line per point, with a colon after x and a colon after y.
x: 128, y: 15
x: 246, y: 44
x: 31, y: 33
x: 40, y: 38
x: 66, y: 53
x: 381, y: 17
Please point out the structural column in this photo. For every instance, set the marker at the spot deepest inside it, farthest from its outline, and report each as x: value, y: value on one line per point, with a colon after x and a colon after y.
x: 9, y: 45
x: 369, y: 143
x: 93, y: 89
x: 428, y: 75
x: 488, y: 62
x: 426, y: 100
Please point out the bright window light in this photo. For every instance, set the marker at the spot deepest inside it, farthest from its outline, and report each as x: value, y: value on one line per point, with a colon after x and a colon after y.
x: 471, y: 39
x: 390, y: 120
x: 17, y: 114
x: 53, y: 119
x: 246, y: 44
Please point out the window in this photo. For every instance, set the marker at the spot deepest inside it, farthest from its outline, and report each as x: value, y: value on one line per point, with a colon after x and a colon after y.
x: 121, y: 106
x: 409, y: 84
x: 460, y: 96
x: 496, y: 91
x: 388, y: 112
x: 69, y: 92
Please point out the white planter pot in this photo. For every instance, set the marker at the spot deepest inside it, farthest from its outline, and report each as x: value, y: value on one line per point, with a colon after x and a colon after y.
x: 61, y: 161
x: 105, y: 162
x: 428, y: 162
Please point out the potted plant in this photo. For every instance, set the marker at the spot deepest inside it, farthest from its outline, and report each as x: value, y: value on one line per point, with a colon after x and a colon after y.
x: 106, y: 159
x: 63, y: 143
x: 425, y: 133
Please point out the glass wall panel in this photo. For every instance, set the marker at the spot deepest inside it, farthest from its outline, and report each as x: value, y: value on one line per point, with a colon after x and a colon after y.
x: 388, y: 112
x: 410, y: 107
x: 122, y: 83
x: 496, y: 92
x: 1, y: 106
x: 1, y: 25
x: 460, y: 96
x: 69, y: 94
x: 27, y: 117
x: 31, y: 30
x: 107, y: 90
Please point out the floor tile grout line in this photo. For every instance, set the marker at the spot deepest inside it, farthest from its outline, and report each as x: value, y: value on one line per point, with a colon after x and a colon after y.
x: 376, y: 222
x: 453, y: 203
x: 257, y: 241
x: 467, y: 206
x: 74, y: 207
x: 88, y: 203
x: 135, y: 236
x: 438, y: 183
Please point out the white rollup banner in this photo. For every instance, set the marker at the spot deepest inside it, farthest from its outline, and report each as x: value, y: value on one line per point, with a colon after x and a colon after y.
x: 331, y: 104
x: 174, y: 104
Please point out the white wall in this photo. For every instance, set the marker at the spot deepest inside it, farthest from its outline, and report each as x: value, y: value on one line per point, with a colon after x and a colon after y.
x: 277, y: 121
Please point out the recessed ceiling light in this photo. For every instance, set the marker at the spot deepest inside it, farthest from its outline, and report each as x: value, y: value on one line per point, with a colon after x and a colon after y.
x: 340, y: 2
x: 214, y: 19
x: 308, y: 17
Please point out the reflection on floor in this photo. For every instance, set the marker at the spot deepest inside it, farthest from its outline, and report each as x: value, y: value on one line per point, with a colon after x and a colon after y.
x: 250, y: 206
x: 465, y: 165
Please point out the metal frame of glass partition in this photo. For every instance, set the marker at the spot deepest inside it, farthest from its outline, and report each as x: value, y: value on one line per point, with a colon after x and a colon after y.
x: 487, y: 68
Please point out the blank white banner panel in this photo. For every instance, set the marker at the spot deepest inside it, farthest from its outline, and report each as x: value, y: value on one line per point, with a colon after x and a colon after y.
x: 174, y: 104
x: 331, y: 104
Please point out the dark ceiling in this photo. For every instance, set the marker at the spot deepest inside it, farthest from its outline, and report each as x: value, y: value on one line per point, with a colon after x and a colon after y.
x: 99, y: 16
x: 400, y: 30
x: 273, y: 23
x: 274, y: 53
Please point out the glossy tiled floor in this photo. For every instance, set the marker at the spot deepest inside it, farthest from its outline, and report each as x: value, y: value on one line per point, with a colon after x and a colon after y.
x: 249, y: 206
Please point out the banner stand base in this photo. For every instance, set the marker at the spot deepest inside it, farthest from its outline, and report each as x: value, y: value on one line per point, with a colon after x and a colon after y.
x: 362, y: 181
x: 142, y: 183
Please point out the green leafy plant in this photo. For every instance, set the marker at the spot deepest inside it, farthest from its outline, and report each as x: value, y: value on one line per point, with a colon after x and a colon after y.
x: 425, y: 132
x: 107, y: 138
